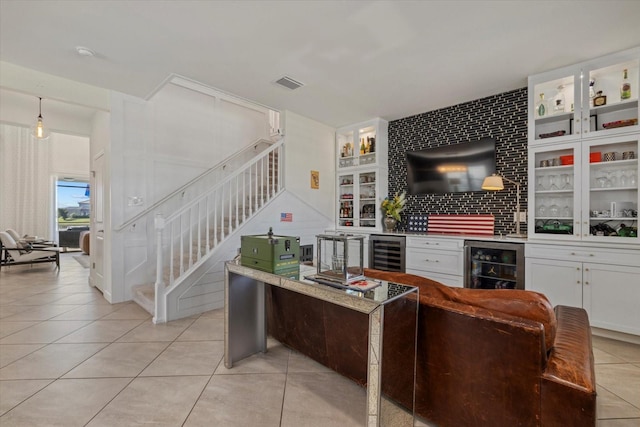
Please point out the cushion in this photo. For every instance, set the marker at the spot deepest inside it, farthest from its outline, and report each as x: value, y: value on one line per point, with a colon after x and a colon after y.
x: 24, y: 246
x: 526, y: 304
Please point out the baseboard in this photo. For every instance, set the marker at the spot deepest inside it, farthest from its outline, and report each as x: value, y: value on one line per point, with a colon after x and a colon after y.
x: 620, y: 336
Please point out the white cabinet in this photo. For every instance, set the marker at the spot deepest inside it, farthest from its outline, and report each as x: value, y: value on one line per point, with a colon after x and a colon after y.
x: 583, y: 152
x: 605, y: 282
x: 361, y: 179
x: 563, y: 103
x: 574, y: 194
x: 436, y: 258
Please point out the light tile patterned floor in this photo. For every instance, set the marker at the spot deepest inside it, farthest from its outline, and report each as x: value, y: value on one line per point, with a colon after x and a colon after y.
x: 69, y: 358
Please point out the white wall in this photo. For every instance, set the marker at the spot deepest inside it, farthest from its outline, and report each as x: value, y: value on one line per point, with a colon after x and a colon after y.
x: 156, y: 146
x: 69, y: 156
x: 309, y: 145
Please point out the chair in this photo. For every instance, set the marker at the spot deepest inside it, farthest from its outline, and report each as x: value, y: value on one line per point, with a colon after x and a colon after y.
x: 13, y: 253
x: 13, y: 233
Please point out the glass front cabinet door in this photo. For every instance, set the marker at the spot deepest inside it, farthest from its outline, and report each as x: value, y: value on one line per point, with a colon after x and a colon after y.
x: 585, y: 191
x: 361, y: 174
x: 610, y: 180
x: 594, y: 99
x: 554, y: 191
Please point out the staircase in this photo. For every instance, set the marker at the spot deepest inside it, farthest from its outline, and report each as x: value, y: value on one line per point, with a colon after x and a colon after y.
x: 188, y: 237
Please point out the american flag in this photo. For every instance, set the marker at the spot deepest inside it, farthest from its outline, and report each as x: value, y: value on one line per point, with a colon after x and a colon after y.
x: 286, y: 217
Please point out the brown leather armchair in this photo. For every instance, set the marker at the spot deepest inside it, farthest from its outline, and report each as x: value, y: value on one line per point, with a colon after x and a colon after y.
x: 484, y: 357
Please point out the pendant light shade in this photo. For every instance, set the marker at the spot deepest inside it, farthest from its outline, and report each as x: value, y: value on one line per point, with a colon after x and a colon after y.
x: 39, y: 131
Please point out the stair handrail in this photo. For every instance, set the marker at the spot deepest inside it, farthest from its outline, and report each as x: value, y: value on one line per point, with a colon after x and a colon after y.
x: 239, y: 170
x: 161, y: 223
x: 209, y: 171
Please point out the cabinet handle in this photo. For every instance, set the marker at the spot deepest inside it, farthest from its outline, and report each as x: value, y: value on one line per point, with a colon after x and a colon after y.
x: 591, y: 254
x: 586, y: 283
x: 573, y: 253
x: 578, y: 268
x: 586, y: 269
x: 578, y: 282
x: 432, y: 260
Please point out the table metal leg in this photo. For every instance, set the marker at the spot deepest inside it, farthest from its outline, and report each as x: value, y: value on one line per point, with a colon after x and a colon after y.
x: 245, y: 322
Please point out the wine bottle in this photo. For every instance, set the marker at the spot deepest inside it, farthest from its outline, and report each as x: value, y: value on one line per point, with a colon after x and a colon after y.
x: 625, y: 88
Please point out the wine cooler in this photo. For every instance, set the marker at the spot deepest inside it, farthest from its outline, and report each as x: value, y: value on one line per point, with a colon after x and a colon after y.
x: 494, y: 265
x: 387, y: 252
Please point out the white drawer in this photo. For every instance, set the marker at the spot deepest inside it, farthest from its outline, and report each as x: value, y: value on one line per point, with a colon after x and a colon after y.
x: 430, y: 260
x: 434, y: 243
x: 584, y: 254
x: 445, y: 279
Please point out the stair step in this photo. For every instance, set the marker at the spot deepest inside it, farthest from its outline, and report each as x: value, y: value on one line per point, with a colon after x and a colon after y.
x: 144, y: 296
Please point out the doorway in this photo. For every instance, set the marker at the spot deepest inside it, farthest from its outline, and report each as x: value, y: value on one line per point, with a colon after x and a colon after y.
x: 72, y: 211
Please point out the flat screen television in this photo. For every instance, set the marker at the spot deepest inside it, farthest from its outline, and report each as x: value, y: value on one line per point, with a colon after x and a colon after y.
x: 452, y: 168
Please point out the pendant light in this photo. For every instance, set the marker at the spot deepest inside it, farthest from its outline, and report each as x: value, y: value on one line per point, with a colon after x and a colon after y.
x: 39, y: 131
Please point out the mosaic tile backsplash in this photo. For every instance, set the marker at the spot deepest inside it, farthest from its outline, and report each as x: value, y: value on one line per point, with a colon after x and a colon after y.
x: 502, y: 117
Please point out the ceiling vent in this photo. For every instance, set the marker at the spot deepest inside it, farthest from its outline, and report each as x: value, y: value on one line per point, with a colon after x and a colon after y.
x: 289, y: 83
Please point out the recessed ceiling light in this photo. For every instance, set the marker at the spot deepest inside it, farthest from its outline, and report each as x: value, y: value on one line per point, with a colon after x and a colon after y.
x: 84, y: 51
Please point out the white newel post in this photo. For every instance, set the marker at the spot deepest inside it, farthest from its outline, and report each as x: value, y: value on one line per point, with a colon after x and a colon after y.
x: 160, y: 306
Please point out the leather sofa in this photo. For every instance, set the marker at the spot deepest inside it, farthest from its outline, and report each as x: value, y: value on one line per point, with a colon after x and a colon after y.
x: 484, y: 357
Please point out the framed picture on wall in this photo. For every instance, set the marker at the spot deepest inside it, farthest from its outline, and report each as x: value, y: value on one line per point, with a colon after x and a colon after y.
x: 315, y: 180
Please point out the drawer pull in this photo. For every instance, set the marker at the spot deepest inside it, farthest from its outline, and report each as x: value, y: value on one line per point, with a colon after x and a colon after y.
x: 432, y: 260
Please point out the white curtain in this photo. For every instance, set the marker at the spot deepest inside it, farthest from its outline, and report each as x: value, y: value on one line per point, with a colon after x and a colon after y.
x: 25, y: 182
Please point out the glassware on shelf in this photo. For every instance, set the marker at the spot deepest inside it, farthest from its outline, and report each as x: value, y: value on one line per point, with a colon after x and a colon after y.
x: 612, y: 176
x: 567, y: 211
x: 624, y: 179
x: 633, y: 178
x: 565, y: 181
x: 601, y: 179
x: 542, y: 209
x: 541, y: 106
x: 540, y: 183
x: 554, y: 210
x: 552, y: 183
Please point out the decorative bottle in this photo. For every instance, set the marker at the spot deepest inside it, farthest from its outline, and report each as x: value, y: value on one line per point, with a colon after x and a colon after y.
x: 592, y: 92
x: 541, y: 108
x: 558, y: 101
x: 362, y: 148
x: 625, y: 88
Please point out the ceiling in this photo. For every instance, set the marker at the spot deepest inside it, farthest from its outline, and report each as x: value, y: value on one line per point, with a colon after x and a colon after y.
x: 357, y: 59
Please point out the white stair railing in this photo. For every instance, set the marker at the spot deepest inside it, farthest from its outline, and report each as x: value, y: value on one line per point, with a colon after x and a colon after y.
x: 185, y: 238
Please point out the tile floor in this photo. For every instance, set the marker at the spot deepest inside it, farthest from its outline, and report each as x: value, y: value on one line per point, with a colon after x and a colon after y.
x: 69, y: 358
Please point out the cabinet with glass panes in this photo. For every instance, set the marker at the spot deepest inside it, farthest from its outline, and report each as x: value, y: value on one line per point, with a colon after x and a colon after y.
x: 594, y: 99
x: 585, y: 191
x: 583, y: 151
x: 361, y: 177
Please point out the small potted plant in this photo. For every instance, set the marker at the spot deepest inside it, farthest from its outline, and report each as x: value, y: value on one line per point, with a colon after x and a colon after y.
x: 391, y: 209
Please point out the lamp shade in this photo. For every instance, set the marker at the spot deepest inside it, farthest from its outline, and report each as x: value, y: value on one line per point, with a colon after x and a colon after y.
x: 493, y: 183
